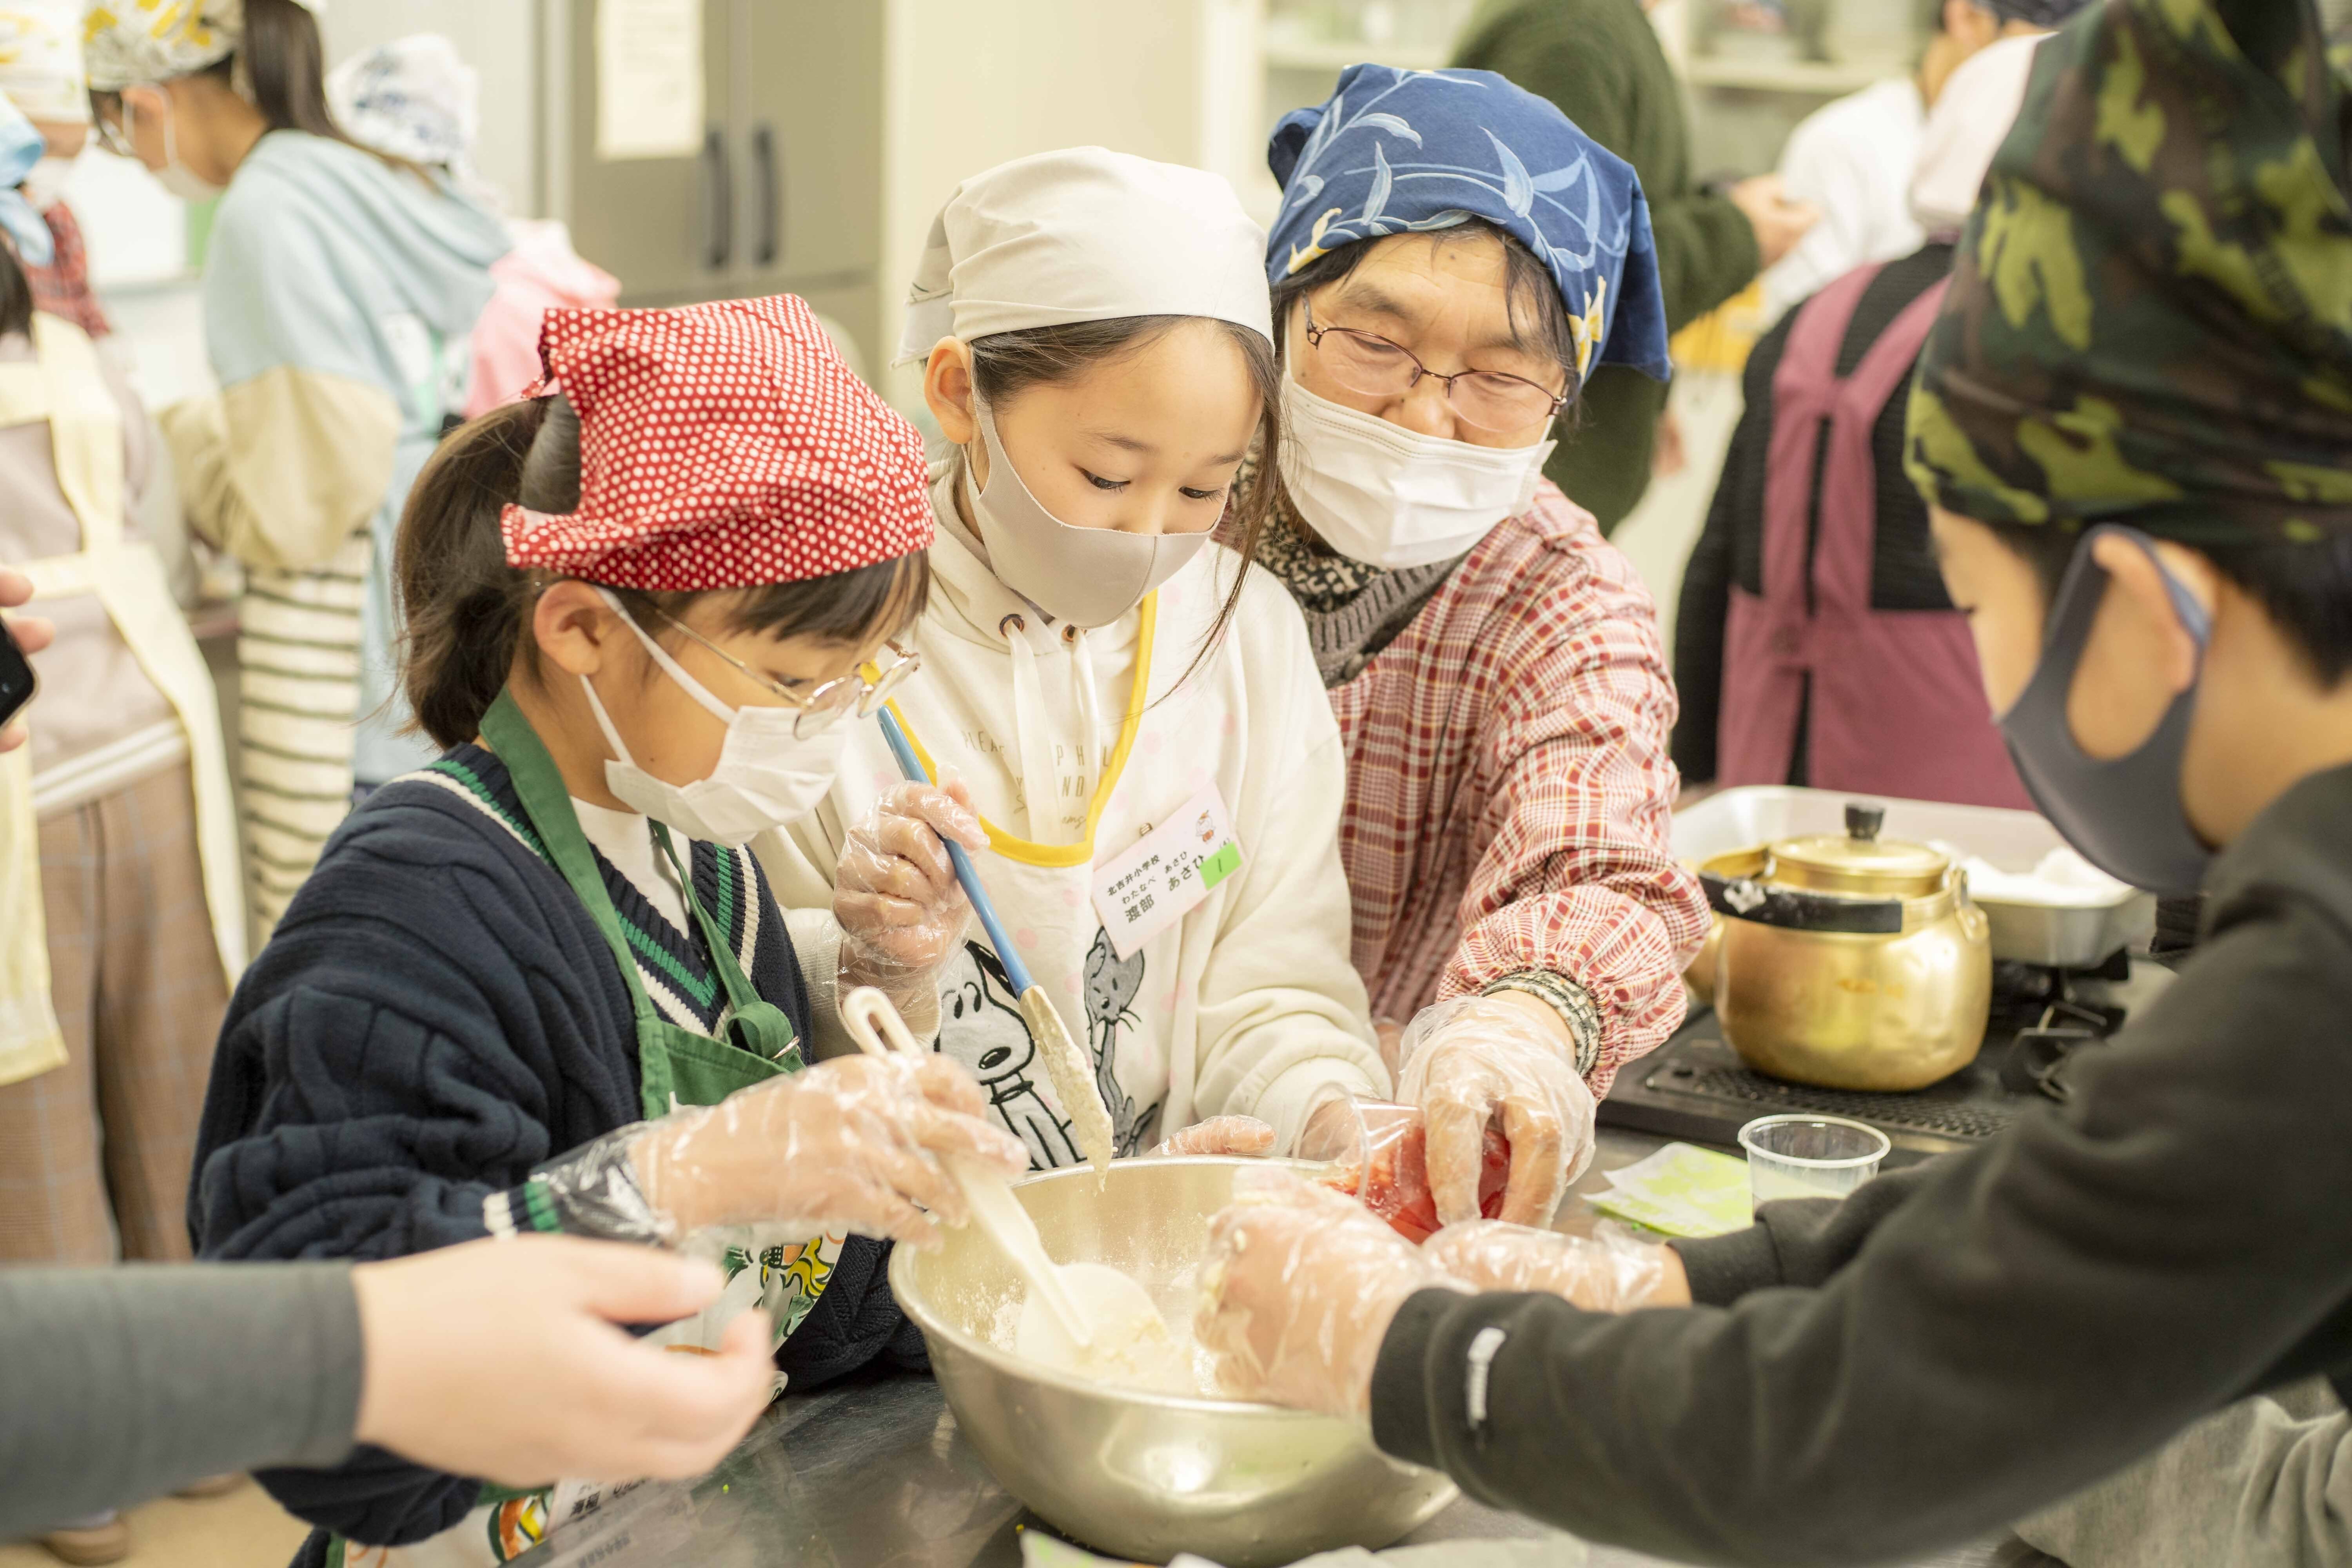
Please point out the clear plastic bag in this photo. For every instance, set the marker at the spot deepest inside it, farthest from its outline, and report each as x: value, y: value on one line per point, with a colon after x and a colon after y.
x: 1377, y: 1151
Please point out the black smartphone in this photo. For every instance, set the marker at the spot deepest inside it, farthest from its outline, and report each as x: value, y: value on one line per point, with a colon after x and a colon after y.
x: 16, y: 682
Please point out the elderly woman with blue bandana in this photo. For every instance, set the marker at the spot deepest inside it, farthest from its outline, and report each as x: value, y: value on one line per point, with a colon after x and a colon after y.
x: 1452, y: 261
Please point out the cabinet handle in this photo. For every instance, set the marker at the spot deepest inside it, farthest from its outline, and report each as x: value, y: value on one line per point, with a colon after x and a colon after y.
x: 770, y: 176
x: 718, y: 204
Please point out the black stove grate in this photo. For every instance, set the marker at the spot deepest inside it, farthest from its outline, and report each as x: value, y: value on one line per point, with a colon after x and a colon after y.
x: 1936, y: 1110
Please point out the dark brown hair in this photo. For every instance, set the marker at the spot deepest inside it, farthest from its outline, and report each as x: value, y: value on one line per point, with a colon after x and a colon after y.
x: 1531, y: 300
x: 1003, y: 365
x: 284, y: 60
x: 467, y: 612
x: 16, y: 294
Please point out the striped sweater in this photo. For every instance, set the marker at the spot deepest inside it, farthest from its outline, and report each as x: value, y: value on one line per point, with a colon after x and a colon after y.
x: 437, y: 1017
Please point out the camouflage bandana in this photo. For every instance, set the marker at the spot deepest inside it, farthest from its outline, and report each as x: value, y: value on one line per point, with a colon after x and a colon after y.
x: 2150, y: 317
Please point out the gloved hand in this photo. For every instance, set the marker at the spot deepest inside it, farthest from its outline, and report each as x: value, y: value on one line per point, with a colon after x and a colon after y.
x: 1218, y: 1135
x: 901, y: 910
x: 1298, y: 1290
x: 852, y: 1144
x: 1469, y: 1061
x: 1606, y: 1273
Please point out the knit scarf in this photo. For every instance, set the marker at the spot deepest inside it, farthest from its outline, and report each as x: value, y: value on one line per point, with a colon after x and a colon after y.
x: 1353, y: 610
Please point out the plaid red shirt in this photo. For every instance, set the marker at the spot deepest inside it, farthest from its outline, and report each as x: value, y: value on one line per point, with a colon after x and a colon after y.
x: 62, y: 288
x: 1509, y: 793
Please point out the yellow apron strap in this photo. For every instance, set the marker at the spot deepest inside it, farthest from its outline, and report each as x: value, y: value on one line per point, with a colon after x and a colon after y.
x: 31, y: 1041
x: 86, y: 435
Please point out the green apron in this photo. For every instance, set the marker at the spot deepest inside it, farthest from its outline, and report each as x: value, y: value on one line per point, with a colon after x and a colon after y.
x: 676, y: 1066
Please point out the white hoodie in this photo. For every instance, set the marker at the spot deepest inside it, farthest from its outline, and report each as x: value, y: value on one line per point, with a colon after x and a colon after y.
x: 1249, y: 1004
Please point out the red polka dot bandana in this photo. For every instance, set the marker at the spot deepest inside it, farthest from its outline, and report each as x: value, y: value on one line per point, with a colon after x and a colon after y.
x: 721, y: 446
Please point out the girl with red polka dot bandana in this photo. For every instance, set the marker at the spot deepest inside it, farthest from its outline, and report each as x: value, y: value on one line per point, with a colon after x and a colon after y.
x: 541, y: 985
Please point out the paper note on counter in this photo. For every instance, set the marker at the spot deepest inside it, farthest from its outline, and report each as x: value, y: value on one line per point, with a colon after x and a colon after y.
x: 648, y: 79
x: 1680, y: 1191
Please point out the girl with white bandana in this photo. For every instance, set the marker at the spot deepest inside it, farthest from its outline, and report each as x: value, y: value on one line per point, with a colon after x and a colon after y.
x: 340, y: 293
x: 1134, y: 711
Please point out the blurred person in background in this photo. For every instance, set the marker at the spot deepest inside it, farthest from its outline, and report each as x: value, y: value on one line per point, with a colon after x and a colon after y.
x: 125, y: 924
x: 340, y: 292
x: 1852, y: 159
x: 1600, y: 61
x: 1816, y: 645
x: 416, y: 98
x: 1441, y: 294
x: 41, y: 73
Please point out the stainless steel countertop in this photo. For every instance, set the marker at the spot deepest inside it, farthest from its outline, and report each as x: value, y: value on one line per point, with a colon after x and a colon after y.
x: 874, y: 1472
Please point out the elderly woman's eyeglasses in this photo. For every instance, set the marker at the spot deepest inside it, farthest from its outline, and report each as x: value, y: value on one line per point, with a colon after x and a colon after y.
x: 1372, y: 367
x: 820, y: 709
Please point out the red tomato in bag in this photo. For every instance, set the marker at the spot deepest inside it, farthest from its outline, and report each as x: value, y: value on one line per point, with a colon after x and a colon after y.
x: 1391, y: 1176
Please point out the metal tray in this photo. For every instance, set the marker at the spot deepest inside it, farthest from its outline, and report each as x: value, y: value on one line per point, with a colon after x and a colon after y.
x: 2061, y: 936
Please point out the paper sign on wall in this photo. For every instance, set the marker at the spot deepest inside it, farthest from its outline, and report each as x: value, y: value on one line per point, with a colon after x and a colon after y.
x: 648, y: 79
x: 1159, y: 880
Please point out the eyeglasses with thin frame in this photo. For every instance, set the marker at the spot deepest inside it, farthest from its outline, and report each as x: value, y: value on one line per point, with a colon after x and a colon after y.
x: 1371, y: 365
x: 817, y: 710
x: 114, y: 134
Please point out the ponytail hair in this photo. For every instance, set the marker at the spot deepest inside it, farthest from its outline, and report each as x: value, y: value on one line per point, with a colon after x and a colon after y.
x: 16, y: 294
x: 464, y: 607
x: 280, y: 64
x: 468, y: 613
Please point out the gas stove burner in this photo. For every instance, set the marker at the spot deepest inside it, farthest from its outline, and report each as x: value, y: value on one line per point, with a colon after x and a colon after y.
x: 1696, y: 1087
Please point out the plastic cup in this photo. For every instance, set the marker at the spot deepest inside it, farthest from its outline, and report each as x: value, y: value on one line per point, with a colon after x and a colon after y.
x: 1809, y: 1156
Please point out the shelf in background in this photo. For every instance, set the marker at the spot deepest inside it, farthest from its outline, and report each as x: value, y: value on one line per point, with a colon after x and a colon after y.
x: 1818, y: 79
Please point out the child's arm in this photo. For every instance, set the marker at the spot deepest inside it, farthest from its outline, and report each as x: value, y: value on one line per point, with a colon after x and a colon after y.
x: 1284, y: 1017
x: 426, y: 1016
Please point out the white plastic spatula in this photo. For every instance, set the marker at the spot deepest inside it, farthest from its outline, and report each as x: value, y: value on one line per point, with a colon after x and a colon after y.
x: 1096, y: 1310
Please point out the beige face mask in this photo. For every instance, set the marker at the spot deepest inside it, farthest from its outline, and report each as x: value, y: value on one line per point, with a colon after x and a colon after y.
x: 1088, y: 577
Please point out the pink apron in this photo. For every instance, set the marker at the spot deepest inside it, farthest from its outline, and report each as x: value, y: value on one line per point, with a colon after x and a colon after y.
x: 1896, y: 706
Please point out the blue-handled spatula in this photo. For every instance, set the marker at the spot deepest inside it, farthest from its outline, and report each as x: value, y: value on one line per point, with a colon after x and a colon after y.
x: 1067, y: 1062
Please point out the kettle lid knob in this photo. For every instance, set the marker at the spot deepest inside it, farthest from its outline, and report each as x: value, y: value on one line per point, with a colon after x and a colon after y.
x: 1864, y: 822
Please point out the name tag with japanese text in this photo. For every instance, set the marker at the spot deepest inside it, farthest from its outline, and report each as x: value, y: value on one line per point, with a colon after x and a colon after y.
x: 1161, y: 878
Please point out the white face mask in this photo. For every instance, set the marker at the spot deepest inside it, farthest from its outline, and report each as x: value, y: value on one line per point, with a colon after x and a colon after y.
x: 1391, y: 497
x: 767, y: 777
x: 174, y: 176
x: 1086, y: 576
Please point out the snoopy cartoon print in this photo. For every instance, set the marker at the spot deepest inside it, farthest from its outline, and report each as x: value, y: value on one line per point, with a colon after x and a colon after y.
x: 980, y: 1026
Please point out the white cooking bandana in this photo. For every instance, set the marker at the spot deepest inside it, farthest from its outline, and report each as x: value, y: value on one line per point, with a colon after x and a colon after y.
x: 134, y: 43
x: 1086, y: 235
x: 40, y: 60
x: 1970, y: 120
x: 414, y: 98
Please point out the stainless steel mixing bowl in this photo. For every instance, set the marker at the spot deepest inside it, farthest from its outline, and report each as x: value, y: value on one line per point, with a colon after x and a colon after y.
x: 1141, y: 1475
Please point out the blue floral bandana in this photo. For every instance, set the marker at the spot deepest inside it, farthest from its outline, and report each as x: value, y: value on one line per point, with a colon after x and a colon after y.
x: 1404, y: 152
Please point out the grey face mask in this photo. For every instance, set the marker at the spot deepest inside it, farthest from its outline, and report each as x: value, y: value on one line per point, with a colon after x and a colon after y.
x: 2124, y: 815
x: 1086, y: 576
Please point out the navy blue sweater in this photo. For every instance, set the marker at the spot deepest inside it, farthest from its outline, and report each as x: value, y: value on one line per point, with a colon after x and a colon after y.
x: 435, y: 1015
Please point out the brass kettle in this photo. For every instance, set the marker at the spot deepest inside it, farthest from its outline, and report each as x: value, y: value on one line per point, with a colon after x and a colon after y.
x: 1849, y: 961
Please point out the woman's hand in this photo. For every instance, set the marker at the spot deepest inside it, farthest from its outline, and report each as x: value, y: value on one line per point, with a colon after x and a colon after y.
x: 1507, y: 1057
x: 507, y: 1360
x: 1608, y: 1273
x: 32, y: 634
x: 1298, y: 1290
x: 857, y: 1144
x: 901, y: 910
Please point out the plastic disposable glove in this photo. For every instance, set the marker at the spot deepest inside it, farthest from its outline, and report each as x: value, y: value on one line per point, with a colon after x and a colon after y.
x: 1298, y: 1290
x: 853, y: 1145
x: 506, y: 1359
x: 901, y: 910
x: 1218, y: 1135
x: 1469, y: 1062
x: 1606, y: 1273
